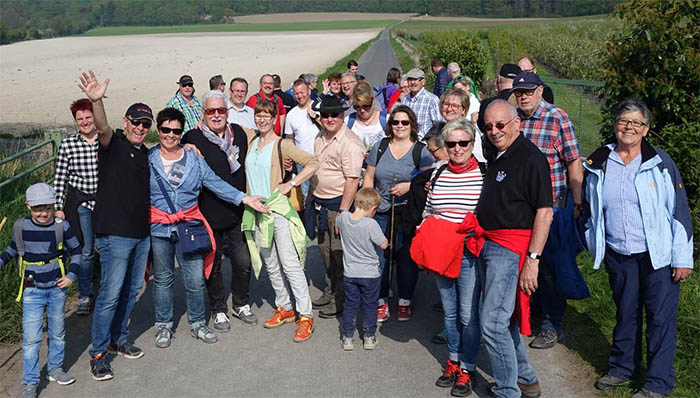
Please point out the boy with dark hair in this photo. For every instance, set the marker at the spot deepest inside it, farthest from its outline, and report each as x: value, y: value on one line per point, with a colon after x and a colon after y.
x: 38, y: 241
x: 360, y: 238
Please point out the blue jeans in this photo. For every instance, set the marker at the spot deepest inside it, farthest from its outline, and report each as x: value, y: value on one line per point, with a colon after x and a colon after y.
x: 164, y: 253
x: 498, y: 268
x: 460, y: 301
x: 365, y: 292
x: 552, y: 303
x: 407, y: 271
x: 33, y: 303
x: 88, y: 254
x: 305, y: 184
x: 123, y: 263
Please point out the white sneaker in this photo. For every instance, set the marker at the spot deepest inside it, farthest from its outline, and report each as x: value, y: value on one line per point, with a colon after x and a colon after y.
x: 243, y: 313
x: 221, y: 323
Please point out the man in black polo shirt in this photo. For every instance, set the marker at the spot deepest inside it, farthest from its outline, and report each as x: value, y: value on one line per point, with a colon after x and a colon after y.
x: 121, y: 224
x: 224, y: 147
x: 515, y: 210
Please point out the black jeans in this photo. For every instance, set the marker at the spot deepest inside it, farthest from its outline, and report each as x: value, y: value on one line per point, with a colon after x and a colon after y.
x: 231, y: 243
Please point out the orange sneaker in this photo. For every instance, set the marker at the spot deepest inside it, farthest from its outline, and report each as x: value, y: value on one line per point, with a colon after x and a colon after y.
x: 305, y: 326
x: 279, y: 318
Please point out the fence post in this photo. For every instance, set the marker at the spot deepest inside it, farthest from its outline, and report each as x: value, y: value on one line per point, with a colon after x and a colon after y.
x: 56, y: 137
x: 580, y: 109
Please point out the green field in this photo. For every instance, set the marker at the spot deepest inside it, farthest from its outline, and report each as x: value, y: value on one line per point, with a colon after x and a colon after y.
x: 415, y: 27
x: 240, y: 27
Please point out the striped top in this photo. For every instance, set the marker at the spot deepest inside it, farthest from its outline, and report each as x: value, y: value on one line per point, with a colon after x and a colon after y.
x: 40, y: 245
x: 454, y: 195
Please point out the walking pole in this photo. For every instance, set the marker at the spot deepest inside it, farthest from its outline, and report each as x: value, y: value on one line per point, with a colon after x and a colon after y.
x: 391, y: 233
x: 2, y: 223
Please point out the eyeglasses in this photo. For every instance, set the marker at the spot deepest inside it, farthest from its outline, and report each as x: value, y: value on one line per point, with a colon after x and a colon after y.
x: 260, y: 116
x: 168, y: 130
x: 448, y: 105
x: 187, y: 85
x: 434, y: 149
x: 141, y: 122
x: 220, y: 111
x: 635, y: 123
x: 520, y: 93
x: 363, y: 107
x: 333, y: 115
x: 462, y: 143
x: 403, y: 122
x: 499, y: 125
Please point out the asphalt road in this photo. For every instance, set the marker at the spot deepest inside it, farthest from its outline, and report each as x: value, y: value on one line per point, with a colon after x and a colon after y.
x: 376, y: 61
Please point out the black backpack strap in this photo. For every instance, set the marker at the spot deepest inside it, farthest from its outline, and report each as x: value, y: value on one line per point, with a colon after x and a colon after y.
x: 482, y: 169
x: 437, y: 174
x: 383, y: 145
x: 417, y: 152
x: 279, y: 154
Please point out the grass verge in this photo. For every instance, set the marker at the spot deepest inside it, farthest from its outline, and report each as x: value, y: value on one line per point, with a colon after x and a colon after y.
x: 590, y: 323
x: 240, y: 27
x: 405, y: 60
x: 341, y: 65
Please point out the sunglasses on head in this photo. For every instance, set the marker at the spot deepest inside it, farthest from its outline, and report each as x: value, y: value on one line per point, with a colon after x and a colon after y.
x: 168, y: 130
x: 187, y: 85
x: 499, y: 125
x: 220, y: 111
x: 462, y: 143
x: 402, y: 122
x: 141, y: 122
x: 333, y: 115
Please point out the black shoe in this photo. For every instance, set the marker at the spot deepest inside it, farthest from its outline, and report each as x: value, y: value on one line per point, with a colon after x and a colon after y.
x: 609, y: 382
x: 440, y: 337
x: 463, y: 384
x: 449, y: 375
x: 321, y: 302
x: 127, y: 350
x: 332, y: 310
x: 99, y: 367
x: 545, y: 339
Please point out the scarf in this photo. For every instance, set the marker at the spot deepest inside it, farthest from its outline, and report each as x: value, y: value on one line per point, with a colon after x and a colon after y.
x: 471, y: 164
x: 225, y: 143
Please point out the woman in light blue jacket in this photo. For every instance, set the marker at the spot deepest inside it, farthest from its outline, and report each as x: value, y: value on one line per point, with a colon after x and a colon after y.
x: 638, y: 223
x: 180, y: 174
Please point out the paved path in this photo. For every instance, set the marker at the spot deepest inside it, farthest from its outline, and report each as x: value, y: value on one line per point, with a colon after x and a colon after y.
x: 253, y: 361
x: 376, y: 61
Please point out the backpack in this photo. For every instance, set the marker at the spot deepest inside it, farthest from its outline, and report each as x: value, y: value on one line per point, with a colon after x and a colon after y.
x: 417, y: 149
x: 19, y: 242
x: 353, y: 117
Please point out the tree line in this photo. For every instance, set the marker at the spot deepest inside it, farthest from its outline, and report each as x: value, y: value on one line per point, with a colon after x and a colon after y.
x: 39, y: 19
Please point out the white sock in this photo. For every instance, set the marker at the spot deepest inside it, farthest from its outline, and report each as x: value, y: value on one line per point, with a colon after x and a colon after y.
x: 404, y: 302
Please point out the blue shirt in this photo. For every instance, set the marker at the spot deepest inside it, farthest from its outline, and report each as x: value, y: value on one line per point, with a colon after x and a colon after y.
x: 258, y: 166
x: 624, y: 228
x: 426, y: 106
x: 242, y: 117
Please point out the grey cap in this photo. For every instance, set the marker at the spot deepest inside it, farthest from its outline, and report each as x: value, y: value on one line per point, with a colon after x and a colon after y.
x: 415, y: 73
x: 40, y: 194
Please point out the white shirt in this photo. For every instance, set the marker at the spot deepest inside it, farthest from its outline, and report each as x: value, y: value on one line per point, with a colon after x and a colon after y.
x: 369, y: 135
x: 242, y: 117
x: 300, y: 125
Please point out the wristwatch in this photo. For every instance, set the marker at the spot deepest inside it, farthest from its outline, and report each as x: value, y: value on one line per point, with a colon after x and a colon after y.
x: 292, y: 183
x: 534, y: 255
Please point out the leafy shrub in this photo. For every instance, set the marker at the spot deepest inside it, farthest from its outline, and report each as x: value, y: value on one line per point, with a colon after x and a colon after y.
x: 461, y: 47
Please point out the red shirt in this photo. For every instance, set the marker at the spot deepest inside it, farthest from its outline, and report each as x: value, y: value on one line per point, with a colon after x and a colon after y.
x: 280, y: 107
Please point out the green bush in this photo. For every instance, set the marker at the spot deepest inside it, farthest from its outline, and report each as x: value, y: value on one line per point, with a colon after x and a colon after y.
x: 655, y: 57
x: 461, y: 47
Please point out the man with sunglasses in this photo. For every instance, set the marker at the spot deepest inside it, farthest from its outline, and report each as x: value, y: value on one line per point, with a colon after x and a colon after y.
x: 267, y: 88
x: 424, y: 104
x: 550, y: 129
x: 332, y: 190
x: 121, y: 225
x: 185, y: 101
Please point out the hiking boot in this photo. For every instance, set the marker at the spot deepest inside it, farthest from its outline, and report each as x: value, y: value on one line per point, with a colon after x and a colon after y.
x: 321, y: 302
x: 404, y: 313
x: 305, y: 326
x: 29, y: 391
x: 205, y: 334
x: 221, y: 323
x: 244, y: 314
x: 347, y: 343
x: 332, y: 310
x: 463, y: 384
x: 84, y: 306
x: 440, y: 337
x: 61, y: 377
x: 449, y: 375
x: 383, y: 313
x: 279, y: 317
x: 530, y: 390
x: 547, y: 338
x: 163, y: 337
x: 369, y: 342
x: 127, y: 349
x: 644, y: 393
x: 99, y: 367
x: 609, y: 382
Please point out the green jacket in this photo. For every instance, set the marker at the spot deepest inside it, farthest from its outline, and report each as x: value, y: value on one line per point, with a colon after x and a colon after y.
x: 265, y: 223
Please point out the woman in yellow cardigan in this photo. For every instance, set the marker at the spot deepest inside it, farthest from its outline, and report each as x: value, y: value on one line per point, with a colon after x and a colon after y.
x: 264, y: 174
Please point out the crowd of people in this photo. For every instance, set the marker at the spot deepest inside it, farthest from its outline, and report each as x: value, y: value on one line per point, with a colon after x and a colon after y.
x: 487, y: 194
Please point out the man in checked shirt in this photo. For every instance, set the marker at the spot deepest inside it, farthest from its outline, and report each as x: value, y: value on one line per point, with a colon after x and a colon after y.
x: 550, y: 129
x: 75, y: 183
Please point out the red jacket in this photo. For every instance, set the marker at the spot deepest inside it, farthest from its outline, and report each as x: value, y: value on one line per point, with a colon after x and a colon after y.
x: 438, y: 247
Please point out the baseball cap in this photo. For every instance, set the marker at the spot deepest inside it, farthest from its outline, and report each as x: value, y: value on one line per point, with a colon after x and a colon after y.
x: 509, y: 71
x: 40, y: 194
x: 415, y: 73
x: 185, y: 79
x: 526, y: 80
x: 139, y: 111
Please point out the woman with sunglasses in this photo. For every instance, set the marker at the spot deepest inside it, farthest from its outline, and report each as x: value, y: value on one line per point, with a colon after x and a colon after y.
x: 367, y: 122
x: 454, y: 192
x: 389, y: 170
x: 176, y: 180
x: 283, y: 247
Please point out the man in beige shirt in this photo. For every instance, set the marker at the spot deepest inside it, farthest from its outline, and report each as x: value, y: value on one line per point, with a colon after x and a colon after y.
x: 332, y: 190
